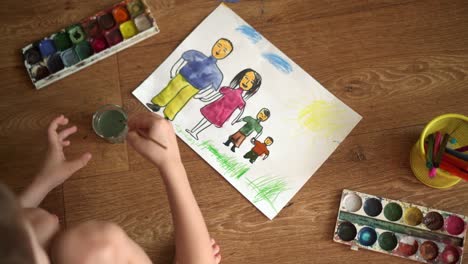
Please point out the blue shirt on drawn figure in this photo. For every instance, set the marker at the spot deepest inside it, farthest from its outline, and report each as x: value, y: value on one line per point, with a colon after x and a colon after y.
x: 193, y: 73
x: 201, y: 71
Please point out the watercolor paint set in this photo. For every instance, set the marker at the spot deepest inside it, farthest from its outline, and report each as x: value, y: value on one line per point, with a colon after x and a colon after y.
x: 89, y: 41
x: 400, y: 229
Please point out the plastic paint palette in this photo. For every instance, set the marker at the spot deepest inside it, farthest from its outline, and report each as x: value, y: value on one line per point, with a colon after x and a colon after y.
x: 400, y: 229
x: 87, y: 42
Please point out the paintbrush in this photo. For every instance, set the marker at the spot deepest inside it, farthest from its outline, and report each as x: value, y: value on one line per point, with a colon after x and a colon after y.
x: 441, y: 150
x: 143, y: 135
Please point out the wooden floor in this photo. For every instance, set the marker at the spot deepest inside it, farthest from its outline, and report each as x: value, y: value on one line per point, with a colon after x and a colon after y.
x: 398, y: 63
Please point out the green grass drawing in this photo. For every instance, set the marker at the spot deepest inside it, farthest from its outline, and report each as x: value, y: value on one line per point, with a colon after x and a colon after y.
x: 268, y: 189
x: 230, y: 164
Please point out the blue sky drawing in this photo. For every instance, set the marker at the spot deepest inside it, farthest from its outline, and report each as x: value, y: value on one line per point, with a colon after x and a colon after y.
x: 250, y: 33
x: 278, y: 62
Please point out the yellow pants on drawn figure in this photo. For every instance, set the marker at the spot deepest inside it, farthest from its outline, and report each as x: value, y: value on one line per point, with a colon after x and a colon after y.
x: 175, y: 96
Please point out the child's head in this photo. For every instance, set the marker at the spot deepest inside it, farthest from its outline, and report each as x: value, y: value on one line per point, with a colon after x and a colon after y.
x: 263, y: 114
x: 16, y: 246
x: 222, y: 48
x: 248, y: 80
x: 268, y: 141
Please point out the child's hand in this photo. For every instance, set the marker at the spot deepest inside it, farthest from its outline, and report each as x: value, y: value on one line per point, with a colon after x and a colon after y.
x: 147, y: 125
x: 56, y: 167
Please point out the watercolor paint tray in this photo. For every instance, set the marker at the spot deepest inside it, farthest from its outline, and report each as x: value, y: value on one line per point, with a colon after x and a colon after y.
x: 400, y: 229
x: 93, y: 39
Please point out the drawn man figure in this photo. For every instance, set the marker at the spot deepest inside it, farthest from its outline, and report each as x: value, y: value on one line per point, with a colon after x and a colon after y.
x: 192, y: 73
x: 251, y: 125
x: 259, y: 149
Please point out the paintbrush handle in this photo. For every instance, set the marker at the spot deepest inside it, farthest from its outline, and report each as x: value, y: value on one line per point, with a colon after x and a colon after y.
x: 457, y: 154
x: 459, y: 163
x: 429, y: 151
x: 441, y: 150
x: 462, y: 149
x: 152, y: 139
x: 453, y: 170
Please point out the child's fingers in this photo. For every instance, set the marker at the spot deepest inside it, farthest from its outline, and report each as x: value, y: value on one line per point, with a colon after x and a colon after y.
x: 216, y: 249
x: 75, y: 165
x: 55, y: 123
x: 143, y: 121
x: 218, y: 259
x: 67, y: 132
x: 52, y: 129
x: 66, y: 143
x: 137, y: 141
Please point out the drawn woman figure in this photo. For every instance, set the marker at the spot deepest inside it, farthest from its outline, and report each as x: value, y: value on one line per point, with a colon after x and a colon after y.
x: 244, y: 85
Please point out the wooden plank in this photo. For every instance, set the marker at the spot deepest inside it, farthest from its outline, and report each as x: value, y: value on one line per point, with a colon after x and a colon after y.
x: 26, y: 114
x: 177, y: 20
x: 401, y: 90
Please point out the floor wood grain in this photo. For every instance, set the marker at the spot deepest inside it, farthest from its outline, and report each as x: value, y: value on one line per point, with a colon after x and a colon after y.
x: 397, y: 63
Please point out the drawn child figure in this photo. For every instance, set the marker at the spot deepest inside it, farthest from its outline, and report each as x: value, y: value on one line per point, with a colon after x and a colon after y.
x: 243, y: 86
x: 251, y: 125
x: 259, y: 149
x: 192, y: 73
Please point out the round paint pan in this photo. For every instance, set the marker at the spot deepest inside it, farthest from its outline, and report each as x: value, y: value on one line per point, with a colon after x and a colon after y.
x: 346, y: 231
x: 352, y: 202
x: 373, y: 207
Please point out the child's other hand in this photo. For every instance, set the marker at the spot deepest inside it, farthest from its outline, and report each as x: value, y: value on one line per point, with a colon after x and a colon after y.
x: 147, y: 125
x: 56, y: 167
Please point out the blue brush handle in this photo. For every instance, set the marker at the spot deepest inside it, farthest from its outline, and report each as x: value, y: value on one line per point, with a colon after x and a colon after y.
x: 457, y: 154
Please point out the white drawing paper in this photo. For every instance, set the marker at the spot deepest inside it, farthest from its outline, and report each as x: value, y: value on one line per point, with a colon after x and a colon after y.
x: 253, y: 114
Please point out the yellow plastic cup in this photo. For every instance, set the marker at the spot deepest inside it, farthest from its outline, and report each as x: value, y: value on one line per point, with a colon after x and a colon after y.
x: 457, y: 127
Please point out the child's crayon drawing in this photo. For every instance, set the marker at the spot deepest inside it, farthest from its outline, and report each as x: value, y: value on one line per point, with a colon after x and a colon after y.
x: 194, y: 72
x: 251, y: 125
x: 268, y: 189
x: 247, y: 109
x: 229, y: 99
x: 260, y: 149
x: 322, y: 117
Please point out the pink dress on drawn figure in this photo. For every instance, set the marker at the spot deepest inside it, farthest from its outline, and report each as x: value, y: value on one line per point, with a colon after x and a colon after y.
x: 219, y: 111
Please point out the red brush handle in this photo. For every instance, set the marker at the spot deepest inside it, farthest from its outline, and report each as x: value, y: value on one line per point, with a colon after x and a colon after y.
x: 453, y: 170
x: 459, y: 163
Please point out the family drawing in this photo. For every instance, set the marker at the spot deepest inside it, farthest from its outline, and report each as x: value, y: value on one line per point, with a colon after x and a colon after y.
x: 196, y: 75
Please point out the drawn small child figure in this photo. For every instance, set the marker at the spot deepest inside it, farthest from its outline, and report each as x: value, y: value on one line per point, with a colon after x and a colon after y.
x: 251, y: 125
x: 259, y: 149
